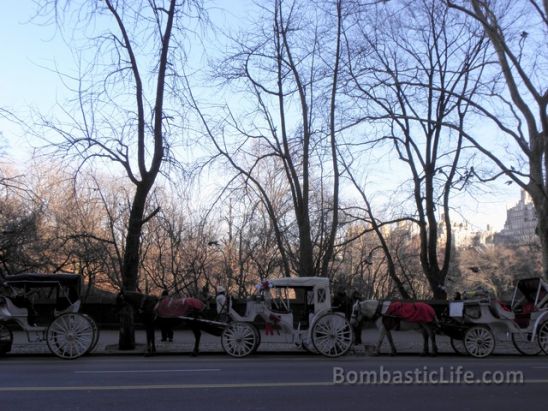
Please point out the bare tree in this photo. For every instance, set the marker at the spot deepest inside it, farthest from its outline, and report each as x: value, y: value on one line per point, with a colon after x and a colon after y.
x: 289, y: 66
x: 496, y: 267
x: 517, y: 33
x: 412, y: 69
x: 123, y: 118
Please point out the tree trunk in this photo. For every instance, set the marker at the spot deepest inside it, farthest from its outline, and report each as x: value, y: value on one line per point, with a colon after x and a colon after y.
x: 131, y: 262
x: 306, y: 264
x: 127, y: 329
x: 541, y: 207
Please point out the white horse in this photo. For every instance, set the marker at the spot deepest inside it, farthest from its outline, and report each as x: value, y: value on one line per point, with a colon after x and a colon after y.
x: 389, y: 315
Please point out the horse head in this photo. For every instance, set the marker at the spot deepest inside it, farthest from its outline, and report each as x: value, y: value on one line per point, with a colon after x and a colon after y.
x: 125, y: 297
x: 364, y: 310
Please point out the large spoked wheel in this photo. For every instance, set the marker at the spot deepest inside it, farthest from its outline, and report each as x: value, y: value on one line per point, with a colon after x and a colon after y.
x: 522, y: 342
x: 332, y: 335
x: 6, y: 339
x: 95, y: 333
x: 239, y: 339
x: 70, y: 336
x: 458, y: 346
x: 542, y: 337
x: 479, y: 341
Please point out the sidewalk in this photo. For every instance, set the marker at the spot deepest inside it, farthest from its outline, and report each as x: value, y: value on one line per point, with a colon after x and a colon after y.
x: 406, y: 343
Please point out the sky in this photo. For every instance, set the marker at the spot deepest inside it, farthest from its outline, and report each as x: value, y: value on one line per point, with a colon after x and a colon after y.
x: 30, y: 52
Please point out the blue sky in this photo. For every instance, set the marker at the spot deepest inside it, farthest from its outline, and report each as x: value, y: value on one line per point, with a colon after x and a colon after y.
x: 26, y: 50
x: 30, y: 52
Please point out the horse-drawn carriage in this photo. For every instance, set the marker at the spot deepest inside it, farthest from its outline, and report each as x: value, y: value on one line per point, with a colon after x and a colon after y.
x: 68, y: 333
x: 295, y: 310
x: 289, y: 310
x: 476, y: 324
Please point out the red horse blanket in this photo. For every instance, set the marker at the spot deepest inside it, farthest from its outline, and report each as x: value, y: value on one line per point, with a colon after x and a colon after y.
x: 169, y: 307
x: 412, y: 312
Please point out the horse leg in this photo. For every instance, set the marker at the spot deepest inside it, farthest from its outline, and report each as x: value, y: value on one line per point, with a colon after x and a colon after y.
x: 381, y: 338
x: 388, y: 325
x: 391, y: 341
x: 432, y: 334
x: 197, y: 336
x: 357, y: 334
x: 151, y: 345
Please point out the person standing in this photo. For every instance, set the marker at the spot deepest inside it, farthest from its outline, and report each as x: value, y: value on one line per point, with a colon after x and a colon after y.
x: 222, y: 304
x: 165, y: 325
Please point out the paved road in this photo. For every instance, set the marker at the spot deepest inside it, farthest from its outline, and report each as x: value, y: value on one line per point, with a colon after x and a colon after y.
x: 264, y: 382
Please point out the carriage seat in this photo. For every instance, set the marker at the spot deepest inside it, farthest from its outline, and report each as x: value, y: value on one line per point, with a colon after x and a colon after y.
x: 523, y: 314
x: 501, y: 311
x: 9, y: 309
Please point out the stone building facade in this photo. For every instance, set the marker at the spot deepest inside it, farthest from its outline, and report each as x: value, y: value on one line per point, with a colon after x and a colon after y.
x: 520, y: 225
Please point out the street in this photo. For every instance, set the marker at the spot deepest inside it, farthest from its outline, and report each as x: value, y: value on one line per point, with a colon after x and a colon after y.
x: 265, y: 381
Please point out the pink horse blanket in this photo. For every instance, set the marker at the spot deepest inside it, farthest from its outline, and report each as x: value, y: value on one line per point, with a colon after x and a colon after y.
x: 169, y: 307
x: 412, y: 312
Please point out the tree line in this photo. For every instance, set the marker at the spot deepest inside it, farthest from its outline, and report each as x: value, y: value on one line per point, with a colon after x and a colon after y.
x: 302, y: 116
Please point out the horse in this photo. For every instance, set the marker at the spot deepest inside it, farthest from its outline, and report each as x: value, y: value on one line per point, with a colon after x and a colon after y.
x: 155, y: 313
x: 390, y: 315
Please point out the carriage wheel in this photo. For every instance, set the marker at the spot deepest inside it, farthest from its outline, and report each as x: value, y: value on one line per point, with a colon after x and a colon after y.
x: 332, y: 335
x: 458, y: 346
x: 70, y: 336
x: 522, y: 342
x: 308, y: 347
x: 240, y: 339
x: 543, y: 337
x: 6, y: 339
x: 257, y: 332
x: 479, y: 341
x: 95, y: 333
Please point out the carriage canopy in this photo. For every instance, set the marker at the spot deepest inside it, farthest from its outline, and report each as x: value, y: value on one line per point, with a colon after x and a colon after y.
x: 70, y: 282
x: 531, y: 290
x: 313, y: 291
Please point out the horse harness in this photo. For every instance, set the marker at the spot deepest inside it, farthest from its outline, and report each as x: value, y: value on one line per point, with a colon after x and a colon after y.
x: 378, y: 311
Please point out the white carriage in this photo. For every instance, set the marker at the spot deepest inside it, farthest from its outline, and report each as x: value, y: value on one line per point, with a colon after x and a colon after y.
x: 68, y: 333
x: 294, y: 310
x: 475, y: 325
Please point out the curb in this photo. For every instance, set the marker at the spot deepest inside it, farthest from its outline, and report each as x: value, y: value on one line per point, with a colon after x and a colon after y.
x: 406, y: 343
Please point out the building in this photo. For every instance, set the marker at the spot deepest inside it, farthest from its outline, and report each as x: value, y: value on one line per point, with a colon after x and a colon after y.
x: 464, y: 235
x: 520, y: 225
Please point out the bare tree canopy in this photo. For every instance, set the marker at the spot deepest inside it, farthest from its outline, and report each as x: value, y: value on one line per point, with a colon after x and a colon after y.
x: 288, y: 68
x: 517, y: 31
x: 136, y: 68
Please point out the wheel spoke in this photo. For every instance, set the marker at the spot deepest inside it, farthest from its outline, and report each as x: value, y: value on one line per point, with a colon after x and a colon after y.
x: 543, y: 337
x: 239, y: 339
x: 70, y: 335
x: 332, y: 335
x: 479, y: 341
